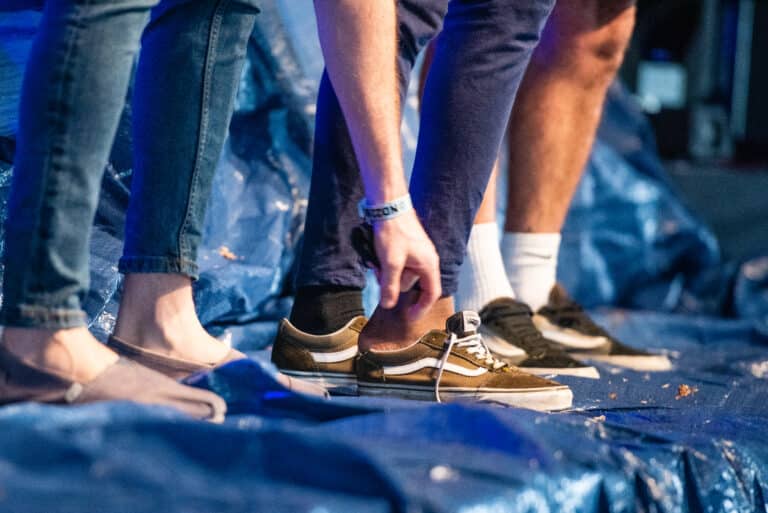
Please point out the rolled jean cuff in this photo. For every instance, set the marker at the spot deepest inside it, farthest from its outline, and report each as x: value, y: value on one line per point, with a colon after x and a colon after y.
x: 160, y: 265
x: 36, y: 316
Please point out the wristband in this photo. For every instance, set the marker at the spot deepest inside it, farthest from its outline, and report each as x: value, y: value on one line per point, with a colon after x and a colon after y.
x: 385, y: 211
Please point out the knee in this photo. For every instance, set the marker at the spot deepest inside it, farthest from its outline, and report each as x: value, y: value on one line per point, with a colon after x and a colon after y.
x: 588, y: 41
x: 605, y: 46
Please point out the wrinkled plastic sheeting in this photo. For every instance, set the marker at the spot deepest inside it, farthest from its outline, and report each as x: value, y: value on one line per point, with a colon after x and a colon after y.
x: 687, y: 441
x: 629, y: 240
x: 751, y: 293
x: 633, y: 442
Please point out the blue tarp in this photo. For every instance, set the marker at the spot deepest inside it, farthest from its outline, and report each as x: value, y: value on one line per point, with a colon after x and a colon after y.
x: 688, y: 440
x: 634, y: 442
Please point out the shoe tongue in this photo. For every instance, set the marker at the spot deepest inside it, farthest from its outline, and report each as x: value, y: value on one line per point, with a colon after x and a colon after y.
x: 463, y: 324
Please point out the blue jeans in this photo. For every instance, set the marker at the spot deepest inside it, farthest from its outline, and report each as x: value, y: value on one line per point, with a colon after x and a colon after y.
x: 74, y: 91
x: 481, y: 55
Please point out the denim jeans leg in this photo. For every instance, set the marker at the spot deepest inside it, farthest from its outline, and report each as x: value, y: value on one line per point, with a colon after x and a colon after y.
x: 189, y: 70
x: 74, y: 91
x: 327, y: 256
x: 480, y: 58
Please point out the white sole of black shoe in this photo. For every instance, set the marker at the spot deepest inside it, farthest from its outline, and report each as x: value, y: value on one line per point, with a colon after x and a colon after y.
x: 577, y: 372
x: 501, y: 347
x: 336, y: 383
x: 542, y: 399
x: 569, y: 338
x: 650, y: 363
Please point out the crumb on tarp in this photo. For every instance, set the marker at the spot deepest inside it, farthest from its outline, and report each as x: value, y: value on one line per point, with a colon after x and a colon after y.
x: 665, y: 385
x: 613, y: 395
x: 685, y: 391
x: 225, y: 252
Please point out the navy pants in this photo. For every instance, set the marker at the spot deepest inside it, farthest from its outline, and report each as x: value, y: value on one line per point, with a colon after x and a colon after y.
x: 481, y: 56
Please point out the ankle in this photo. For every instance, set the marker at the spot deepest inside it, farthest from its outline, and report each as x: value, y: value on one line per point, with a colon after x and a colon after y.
x: 389, y: 330
x: 147, y: 296
x: 157, y: 313
x: 156, y: 308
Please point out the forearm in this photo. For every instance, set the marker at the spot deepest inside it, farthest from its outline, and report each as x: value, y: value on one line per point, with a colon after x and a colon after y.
x: 359, y: 42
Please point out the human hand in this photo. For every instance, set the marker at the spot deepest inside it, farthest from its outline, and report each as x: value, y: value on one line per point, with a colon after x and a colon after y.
x: 406, y: 255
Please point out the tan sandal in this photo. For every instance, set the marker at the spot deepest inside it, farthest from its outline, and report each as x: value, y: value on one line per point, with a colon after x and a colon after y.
x: 176, y: 368
x: 122, y: 381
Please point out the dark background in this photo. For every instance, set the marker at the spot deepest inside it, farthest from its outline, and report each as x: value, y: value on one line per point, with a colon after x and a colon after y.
x: 710, y: 56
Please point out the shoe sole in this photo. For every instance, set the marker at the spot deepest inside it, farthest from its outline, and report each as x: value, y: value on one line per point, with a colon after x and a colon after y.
x: 650, y: 363
x: 567, y: 337
x: 541, y: 399
x: 335, y: 383
x: 577, y: 372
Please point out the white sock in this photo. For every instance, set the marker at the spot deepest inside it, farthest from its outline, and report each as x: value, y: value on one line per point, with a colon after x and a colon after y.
x: 481, y: 277
x: 530, y: 260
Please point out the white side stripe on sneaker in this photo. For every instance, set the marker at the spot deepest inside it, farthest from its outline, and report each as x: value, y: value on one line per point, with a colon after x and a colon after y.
x: 408, y: 368
x: 567, y: 336
x: 335, y: 357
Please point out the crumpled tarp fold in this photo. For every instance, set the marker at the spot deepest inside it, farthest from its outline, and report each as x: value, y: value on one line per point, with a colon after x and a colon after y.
x: 689, y: 440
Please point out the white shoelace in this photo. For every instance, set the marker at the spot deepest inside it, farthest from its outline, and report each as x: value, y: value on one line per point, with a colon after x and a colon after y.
x: 475, y: 346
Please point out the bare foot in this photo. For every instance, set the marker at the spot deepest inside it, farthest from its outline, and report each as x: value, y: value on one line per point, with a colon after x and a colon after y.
x: 390, y: 330
x: 72, y: 353
x: 157, y: 313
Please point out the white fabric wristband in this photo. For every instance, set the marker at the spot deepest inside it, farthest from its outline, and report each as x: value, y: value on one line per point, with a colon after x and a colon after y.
x: 385, y: 211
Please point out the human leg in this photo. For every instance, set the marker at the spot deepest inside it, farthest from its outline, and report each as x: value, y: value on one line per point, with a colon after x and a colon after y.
x: 330, y: 273
x: 69, y: 115
x: 67, y: 99
x: 480, y: 57
x: 186, y: 80
x: 551, y: 132
x: 400, y: 356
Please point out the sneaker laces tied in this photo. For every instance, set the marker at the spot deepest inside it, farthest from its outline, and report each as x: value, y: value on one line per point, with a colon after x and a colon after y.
x: 473, y: 345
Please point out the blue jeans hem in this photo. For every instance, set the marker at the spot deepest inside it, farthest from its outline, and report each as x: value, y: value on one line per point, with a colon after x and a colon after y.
x: 37, y: 316
x: 164, y: 265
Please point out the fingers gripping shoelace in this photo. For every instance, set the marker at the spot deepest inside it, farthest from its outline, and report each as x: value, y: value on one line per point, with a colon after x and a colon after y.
x: 472, y: 344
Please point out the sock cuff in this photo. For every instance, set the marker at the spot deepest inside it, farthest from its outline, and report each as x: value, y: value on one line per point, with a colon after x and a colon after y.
x: 542, y: 245
x: 482, y: 278
x: 319, y: 310
x: 483, y: 236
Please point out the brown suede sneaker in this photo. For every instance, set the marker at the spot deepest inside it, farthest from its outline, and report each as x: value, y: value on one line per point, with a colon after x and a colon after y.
x: 456, y: 365
x: 326, y: 360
